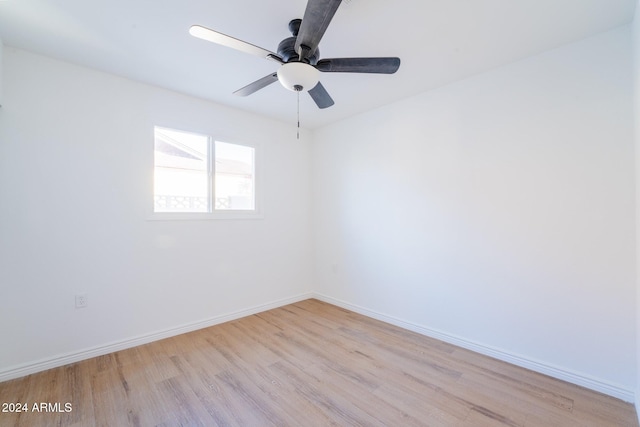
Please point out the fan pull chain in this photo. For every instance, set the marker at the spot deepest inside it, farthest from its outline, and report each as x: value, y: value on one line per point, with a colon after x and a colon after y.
x: 298, y: 133
x: 298, y: 89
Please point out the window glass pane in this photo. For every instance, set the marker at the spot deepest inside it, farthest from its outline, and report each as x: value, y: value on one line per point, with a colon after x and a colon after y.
x: 234, y: 178
x: 181, y: 174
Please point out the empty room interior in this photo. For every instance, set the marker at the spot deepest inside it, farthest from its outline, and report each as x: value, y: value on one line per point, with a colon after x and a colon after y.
x: 320, y: 212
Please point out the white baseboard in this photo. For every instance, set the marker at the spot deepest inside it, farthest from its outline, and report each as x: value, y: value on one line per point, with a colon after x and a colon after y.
x: 544, y: 368
x: 64, y: 359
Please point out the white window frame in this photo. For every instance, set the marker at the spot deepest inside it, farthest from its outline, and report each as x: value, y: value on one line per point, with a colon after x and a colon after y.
x: 255, y: 213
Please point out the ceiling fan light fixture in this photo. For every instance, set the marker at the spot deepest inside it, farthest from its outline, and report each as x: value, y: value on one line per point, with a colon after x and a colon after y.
x: 294, y: 75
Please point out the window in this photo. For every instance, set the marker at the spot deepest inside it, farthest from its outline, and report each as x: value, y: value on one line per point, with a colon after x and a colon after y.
x: 194, y: 173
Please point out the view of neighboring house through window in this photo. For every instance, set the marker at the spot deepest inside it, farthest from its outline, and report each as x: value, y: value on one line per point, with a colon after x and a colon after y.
x: 195, y: 173
x: 234, y: 176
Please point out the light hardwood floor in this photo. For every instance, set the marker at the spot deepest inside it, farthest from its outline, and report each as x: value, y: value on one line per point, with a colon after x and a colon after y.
x: 305, y: 364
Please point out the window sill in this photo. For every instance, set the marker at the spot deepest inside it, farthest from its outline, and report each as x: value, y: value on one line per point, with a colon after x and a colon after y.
x: 204, y: 216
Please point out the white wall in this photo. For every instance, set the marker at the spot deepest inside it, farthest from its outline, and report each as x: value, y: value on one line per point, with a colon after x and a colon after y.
x: 636, y: 91
x: 1, y: 86
x: 76, y: 174
x: 498, y: 211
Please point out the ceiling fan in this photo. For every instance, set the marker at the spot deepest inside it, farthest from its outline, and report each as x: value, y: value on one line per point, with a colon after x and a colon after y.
x: 299, y: 55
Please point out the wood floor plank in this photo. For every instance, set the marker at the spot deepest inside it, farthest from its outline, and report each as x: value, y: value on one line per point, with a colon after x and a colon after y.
x: 305, y: 364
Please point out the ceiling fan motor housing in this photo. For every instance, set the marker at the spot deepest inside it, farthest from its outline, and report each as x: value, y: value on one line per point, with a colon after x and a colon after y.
x: 286, y: 51
x: 297, y: 75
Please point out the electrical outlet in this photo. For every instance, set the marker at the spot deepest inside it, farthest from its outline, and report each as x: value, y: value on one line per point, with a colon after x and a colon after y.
x: 82, y: 300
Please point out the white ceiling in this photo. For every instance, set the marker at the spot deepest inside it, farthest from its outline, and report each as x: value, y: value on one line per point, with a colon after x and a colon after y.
x: 438, y: 41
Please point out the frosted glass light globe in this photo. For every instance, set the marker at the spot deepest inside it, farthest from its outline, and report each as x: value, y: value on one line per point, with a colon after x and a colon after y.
x: 298, y: 74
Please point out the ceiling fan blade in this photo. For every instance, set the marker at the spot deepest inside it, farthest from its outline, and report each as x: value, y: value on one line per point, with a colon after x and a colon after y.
x: 257, y: 85
x: 359, y: 65
x: 315, y: 21
x: 321, y: 96
x: 232, y: 42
